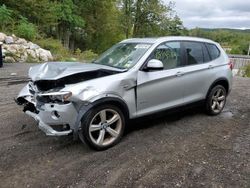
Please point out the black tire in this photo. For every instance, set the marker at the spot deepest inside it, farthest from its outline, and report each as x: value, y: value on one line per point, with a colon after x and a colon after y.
x: 210, y: 100
x: 87, y: 137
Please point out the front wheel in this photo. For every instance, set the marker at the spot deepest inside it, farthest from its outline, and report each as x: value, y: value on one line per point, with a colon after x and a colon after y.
x: 102, y: 127
x: 216, y: 100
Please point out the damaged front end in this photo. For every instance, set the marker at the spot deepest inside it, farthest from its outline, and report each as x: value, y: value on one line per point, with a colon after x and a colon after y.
x: 56, y: 116
x: 46, y: 100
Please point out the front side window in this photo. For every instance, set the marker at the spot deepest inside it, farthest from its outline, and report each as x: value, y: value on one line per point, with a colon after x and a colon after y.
x: 169, y: 54
x: 123, y: 55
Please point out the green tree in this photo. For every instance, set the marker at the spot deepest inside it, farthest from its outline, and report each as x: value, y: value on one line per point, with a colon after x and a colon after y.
x: 90, y: 24
x: 5, y: 17
x: 149, y: 18
x: 69, y: 21
x: 127, y: 16
x: 39, y: 12
x: 26, y: 30
x: 102, y: 24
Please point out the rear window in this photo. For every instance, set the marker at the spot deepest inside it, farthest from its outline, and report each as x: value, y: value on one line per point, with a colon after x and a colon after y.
x: 213, y: 51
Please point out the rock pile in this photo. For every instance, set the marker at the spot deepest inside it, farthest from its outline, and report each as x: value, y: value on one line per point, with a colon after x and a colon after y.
x: 20, y: 50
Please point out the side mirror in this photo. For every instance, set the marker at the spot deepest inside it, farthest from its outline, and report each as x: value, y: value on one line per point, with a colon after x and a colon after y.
x: 154, y: 64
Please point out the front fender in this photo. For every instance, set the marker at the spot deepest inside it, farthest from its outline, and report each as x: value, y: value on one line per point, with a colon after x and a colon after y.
x: 24, y: 92
x: 98, y: 100
x: 24, y: 95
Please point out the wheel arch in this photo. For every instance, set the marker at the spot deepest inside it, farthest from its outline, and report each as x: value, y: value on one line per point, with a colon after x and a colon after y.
x: 113, y: 101
x: 102, y: 101
x: 220, y: 81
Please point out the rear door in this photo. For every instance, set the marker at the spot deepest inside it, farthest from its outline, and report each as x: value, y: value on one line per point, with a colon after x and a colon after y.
x: 161, y: 89
x: 199, y: 70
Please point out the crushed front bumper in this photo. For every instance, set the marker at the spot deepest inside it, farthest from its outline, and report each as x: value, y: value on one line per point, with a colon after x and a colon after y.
x: 49, y: 131
x: 55, y: 119
x: 50, y: 115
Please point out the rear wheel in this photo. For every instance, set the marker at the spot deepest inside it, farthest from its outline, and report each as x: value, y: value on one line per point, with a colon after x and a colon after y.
x: 102, y: 127
x: 216, y: 100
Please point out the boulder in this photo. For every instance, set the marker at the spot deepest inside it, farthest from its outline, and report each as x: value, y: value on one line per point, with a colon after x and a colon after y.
x: 2, y: 37
x: 3, y: 52
x: 23, y: 58
x: 32, y: 54
x: 33, y: 46
x: 14, y: 38
x: 20, y: 50
x: 21, y: 41
x: 44, y: 55
x: 10, y: 49
x: 14, y: 49
x: 9, y: 60
x: 9, y: 40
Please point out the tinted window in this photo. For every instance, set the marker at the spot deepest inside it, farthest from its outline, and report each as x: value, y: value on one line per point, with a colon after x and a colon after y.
x: 169, y: 54
x: 205, y: 53
x: 194, y: 53
x: 213, y: 51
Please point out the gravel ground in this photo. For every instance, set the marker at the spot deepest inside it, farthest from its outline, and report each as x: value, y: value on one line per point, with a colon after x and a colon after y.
x: 182, y: 149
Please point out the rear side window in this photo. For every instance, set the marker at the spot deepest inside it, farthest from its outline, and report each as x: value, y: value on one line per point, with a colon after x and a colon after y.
x: 213, y: 51
x: 196, y: 53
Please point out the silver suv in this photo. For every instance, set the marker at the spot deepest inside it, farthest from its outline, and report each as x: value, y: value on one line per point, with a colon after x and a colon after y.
x: 134, y: 78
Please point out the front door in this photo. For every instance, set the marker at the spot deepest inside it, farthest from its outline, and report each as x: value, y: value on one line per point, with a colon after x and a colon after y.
x: 161, y: 89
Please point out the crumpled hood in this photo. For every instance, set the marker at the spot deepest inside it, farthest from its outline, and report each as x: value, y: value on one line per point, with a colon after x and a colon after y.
x: 57, y: 70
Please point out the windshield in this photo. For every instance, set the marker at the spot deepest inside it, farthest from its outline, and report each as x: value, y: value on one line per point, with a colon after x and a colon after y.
x: 123, y: 55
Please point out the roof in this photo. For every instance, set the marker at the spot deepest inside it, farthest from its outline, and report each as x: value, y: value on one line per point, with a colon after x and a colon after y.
x: 162, y: 39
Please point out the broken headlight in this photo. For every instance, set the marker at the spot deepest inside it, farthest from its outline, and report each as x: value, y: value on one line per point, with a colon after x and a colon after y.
x: 60, y: 96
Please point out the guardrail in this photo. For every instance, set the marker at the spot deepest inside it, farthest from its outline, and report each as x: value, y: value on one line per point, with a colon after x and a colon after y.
x: 239, y: 60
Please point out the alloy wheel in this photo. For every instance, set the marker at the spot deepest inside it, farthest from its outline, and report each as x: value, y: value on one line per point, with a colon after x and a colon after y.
x: 218, y: 100
x: 105, y: 127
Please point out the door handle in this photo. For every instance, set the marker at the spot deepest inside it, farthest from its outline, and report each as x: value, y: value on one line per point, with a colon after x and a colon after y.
x: 179, y: 74
x: 210, y: 66
x: 126, y: 86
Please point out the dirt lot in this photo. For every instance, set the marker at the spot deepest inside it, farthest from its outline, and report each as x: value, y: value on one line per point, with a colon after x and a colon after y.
x: 184, y: 149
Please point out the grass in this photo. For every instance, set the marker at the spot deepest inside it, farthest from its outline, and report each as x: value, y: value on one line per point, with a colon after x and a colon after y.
x: 62, y: 54
x: 246, y: 71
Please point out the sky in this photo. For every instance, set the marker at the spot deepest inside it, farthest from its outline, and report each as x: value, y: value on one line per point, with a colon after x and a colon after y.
x: 214, y: 13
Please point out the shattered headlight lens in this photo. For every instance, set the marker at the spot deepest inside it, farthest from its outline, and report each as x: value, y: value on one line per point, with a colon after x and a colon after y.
x: 61, y: 96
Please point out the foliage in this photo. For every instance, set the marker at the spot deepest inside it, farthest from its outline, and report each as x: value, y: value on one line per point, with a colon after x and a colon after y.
x: 144, y: 18
x: 51, y: 44
x: 246, y: 71
x: 102, y: 27
x: 89, y: 24
x: 86, y: 55
x: 236, y: 40
x: 5, y: 17
x: 55, y: 46
x: 26, y: 30
x: 69, y: 22
x: 92, y: 26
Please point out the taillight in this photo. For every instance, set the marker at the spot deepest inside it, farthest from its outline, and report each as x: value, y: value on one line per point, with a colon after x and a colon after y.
x: 231, y: 65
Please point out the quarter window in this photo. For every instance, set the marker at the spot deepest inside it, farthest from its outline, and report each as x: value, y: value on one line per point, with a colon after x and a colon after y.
x: 169, y: 54
x: 205, y: 53
x: 213, y: 51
